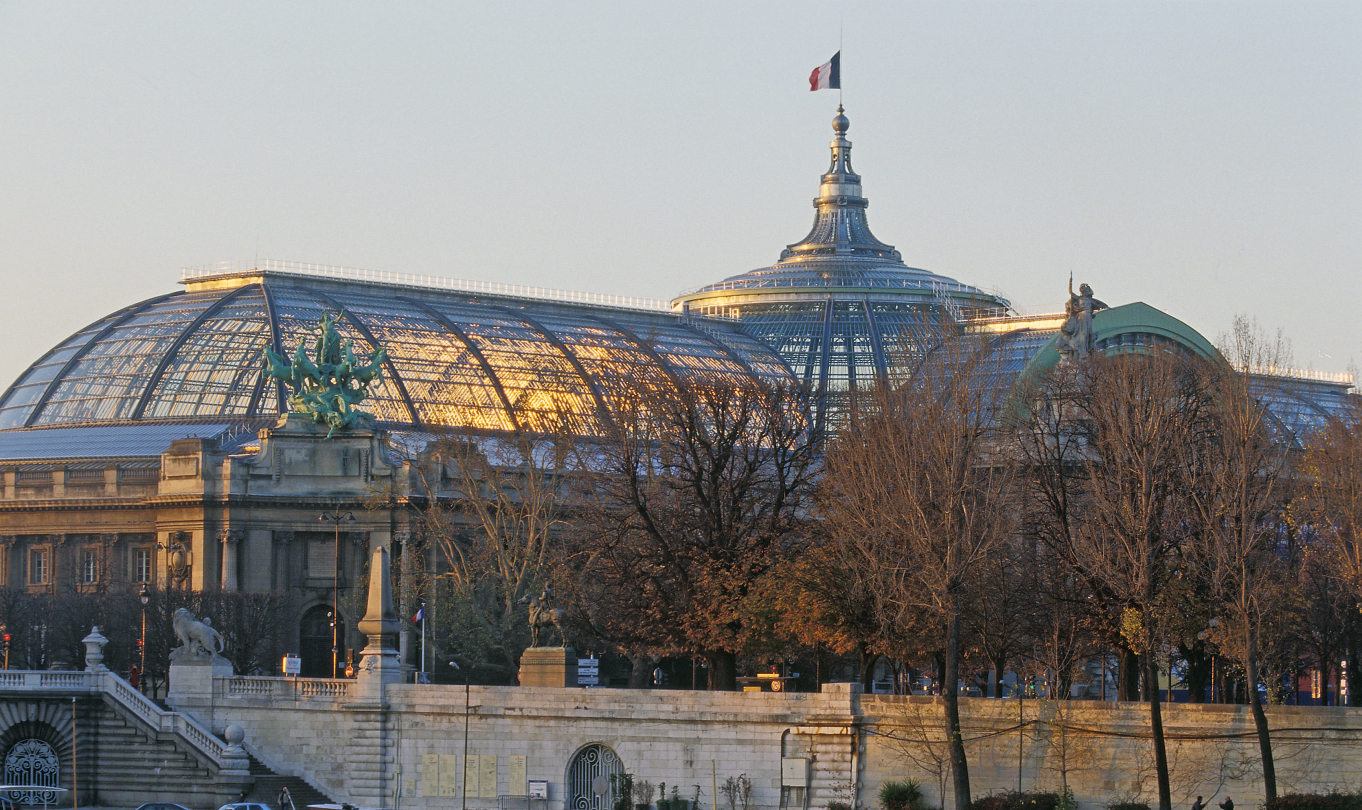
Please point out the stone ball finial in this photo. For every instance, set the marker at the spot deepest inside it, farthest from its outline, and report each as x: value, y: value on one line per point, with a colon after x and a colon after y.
x: 841, y: 123
x: 234, y: 734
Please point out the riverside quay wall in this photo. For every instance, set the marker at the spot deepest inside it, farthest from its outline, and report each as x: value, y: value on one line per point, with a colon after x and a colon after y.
x: 423, y: 746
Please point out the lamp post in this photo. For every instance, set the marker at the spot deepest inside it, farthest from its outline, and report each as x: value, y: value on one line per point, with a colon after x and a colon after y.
x: 145, y: 596
x: 336, y: 518
x: 463, y: 800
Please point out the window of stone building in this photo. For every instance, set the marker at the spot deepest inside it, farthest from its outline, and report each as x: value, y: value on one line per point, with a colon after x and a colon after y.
x: 141, y: 565
x: 89, y: 566
x: 37, y: 566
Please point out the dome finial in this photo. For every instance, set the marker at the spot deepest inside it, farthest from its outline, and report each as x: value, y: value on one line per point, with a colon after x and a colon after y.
x: 841, y: 123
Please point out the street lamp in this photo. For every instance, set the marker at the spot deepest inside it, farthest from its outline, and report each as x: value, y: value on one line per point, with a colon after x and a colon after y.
x: 463, y: 801
x: 337, y: 518
x: 145, y: 596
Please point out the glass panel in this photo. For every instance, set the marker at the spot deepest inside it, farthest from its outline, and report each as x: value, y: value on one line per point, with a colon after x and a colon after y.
x: 216, y: 370
x: 108, y: 381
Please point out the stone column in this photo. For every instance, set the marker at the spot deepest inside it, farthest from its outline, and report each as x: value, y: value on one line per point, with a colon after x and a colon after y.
x: 230, y: 544
x: 7, y: 542
x: 282, y: 555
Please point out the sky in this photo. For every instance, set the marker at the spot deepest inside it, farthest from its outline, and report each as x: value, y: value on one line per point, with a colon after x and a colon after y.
x: 1202, y: 157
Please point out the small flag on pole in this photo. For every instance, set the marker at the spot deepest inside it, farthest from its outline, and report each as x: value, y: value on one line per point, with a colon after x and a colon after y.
x: 420, y: 614
x: 829, y: 76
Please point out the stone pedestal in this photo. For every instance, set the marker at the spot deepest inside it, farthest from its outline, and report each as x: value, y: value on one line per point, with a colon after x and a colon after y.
x: 548, y: 666
x: 191, y: 684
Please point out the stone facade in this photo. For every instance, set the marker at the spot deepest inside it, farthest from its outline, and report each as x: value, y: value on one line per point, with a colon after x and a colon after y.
x: 203, y: 519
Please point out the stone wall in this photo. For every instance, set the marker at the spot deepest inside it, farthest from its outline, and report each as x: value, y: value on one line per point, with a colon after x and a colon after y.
x: 1103, y: 751
x: 410, y: 753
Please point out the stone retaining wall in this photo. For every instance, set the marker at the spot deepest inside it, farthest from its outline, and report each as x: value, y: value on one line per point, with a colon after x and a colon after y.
x: 409, y: 753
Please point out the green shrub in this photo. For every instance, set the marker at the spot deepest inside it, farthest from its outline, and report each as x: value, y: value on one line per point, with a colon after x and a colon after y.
x: 838, y: 806
x: 1016, y: 800
x: 1316, y: 801
x: 901, y: 796
x: 1128, y: 806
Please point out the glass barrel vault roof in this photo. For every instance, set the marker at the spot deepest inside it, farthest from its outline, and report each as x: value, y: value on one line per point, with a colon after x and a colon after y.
x: 454, y: 359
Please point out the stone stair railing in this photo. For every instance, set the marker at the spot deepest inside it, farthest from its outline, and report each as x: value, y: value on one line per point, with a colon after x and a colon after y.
x: 194, y: 736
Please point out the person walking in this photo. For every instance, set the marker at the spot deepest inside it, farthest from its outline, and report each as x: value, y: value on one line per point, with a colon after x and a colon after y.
x: 1198, y: 804
x: 1228, y: 804
x: 285, y: 800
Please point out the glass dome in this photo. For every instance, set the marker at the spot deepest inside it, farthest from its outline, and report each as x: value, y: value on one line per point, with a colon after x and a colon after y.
x: 454, y: 359
x: 840, y: 306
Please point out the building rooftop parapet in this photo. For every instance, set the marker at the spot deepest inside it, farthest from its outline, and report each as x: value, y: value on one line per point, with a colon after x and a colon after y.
x: 1342, y: 378
x: 206, y: 275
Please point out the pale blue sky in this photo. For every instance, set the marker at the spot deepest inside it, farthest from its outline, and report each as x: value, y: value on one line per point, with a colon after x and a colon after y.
x: 1203, y: 157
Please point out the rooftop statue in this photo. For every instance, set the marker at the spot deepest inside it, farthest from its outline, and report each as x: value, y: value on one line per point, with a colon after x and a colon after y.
x: 329, y: 388
x: 1075, y: 335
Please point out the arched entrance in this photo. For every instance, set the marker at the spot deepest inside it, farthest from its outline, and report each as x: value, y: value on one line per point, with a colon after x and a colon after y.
x: 314, y: 642
x: 592, y: 778
x: 32, y: 762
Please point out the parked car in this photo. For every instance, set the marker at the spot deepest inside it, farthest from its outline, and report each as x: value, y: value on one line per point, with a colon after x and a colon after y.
x: 162, y: 806
x: 244, y: 806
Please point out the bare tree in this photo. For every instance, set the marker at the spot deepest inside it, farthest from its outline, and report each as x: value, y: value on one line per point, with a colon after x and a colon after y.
x: 489, y: 509
x: 1238, y: 498
x: 915, y: 489
x: 1333, y: 470
x: 697, y: 502
x: 1108, y: 451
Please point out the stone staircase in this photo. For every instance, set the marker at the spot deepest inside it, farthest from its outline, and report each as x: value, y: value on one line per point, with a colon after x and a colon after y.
x: 136, y: 764
x: 268, y: 783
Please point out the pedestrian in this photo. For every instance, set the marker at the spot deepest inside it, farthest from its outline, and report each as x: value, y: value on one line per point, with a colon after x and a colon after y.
x: 285, y: 800
x: 1198, y: 804
x: 1228, y: 804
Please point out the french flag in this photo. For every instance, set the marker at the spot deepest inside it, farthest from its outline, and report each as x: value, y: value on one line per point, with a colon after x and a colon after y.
x: 420, y: 614
x: 829, y: 76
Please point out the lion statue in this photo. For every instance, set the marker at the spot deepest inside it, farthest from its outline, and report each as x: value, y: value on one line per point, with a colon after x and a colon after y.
x: 197, y: 638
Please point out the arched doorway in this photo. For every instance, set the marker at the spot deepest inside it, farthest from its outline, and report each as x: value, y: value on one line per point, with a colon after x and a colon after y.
x: 592, y: 778
x: 314, y: 642
x: 32, y: 762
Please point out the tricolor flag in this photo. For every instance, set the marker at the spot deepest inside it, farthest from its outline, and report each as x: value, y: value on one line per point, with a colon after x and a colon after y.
x: 420, y: 614
x: 829, y: 76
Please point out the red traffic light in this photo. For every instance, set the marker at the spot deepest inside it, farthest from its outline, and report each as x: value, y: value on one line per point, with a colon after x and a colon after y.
x: 7, y: 638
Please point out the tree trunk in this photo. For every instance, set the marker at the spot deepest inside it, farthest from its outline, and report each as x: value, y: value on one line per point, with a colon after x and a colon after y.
x: 998, y: 678
x: 950, y: 694
x: 1260, y: 718
x: 723, y: 671
x: 1156, y: 726
x: 1127, y: 674
x: 867, y: 661
x: 641, y: 675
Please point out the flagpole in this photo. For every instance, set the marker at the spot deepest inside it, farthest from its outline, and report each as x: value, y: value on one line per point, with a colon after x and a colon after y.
x: 840, y: 17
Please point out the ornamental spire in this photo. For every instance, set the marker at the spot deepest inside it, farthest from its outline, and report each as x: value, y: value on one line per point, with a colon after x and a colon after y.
x: 840, y: 228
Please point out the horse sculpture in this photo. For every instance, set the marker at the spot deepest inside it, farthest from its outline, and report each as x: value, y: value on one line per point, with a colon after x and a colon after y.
x: 542, y: 615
